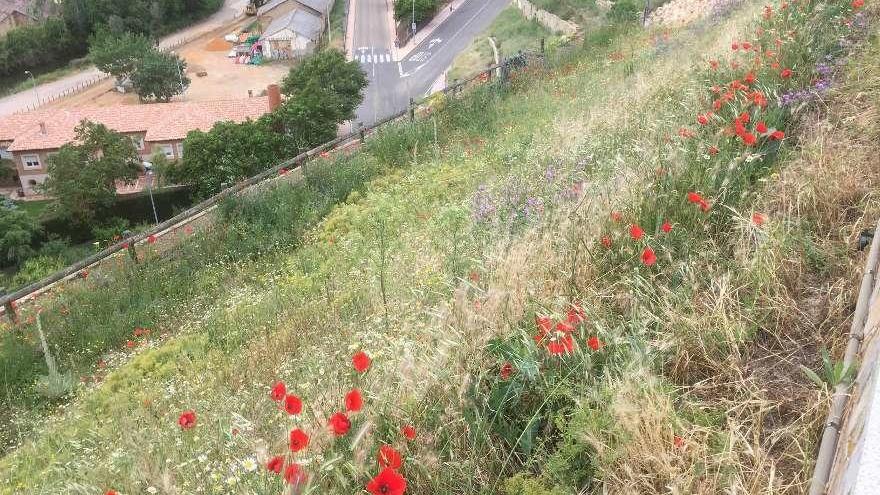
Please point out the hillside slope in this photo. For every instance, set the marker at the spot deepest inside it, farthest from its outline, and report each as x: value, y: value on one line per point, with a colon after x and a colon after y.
x: 592, y: 280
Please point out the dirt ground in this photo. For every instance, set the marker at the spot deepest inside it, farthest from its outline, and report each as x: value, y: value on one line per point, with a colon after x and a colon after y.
x: 224, y: 80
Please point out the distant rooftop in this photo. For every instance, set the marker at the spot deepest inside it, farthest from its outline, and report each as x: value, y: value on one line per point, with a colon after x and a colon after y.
x: 298, y: 21
x: 159, y: 121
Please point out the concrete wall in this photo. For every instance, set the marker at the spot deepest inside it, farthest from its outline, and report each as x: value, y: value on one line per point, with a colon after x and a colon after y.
x: 546, y: 19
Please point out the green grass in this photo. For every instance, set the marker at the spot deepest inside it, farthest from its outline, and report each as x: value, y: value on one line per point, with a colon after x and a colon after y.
x: 33, y: 208
x: 434, y: 252
x: 337, y: 25
x: 512, y: 33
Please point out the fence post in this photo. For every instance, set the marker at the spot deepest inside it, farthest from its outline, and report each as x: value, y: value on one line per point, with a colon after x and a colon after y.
x: 11, y: 313
x: 542, y: 46
x: 412, y: 110
x: 132, y: 253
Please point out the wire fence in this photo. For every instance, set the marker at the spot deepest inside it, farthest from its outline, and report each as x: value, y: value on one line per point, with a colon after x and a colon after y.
x: 496, y: 74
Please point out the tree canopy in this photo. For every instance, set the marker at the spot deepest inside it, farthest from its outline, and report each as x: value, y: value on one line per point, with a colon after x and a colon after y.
x: 327, y: 74
x: 118, y: 54
x: 424, y: 9
x: 159, y: 76
x: 82, y: 176
x: 227, y: 153
x: 18, y: 231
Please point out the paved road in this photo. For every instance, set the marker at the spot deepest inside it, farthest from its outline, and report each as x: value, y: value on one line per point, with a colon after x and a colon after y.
x: 26, y: 99
x: 392, y: 83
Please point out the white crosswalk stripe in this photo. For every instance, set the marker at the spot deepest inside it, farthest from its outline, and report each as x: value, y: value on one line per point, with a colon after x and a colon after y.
x: 375, y: 58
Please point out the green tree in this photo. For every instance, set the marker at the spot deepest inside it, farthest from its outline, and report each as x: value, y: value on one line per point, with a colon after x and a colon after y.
x: 424, y: 9
x: 18, y: 231
x: 82, y: 176
x: 227, y: 153
x: 118, y: 55
x: 159, y: 76
x: 327, y: 72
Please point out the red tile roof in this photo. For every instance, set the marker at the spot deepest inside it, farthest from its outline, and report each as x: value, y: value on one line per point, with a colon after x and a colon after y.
x: 160, y: 121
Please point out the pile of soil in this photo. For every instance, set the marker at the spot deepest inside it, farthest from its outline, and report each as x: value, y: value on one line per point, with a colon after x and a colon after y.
x: 218, y: 45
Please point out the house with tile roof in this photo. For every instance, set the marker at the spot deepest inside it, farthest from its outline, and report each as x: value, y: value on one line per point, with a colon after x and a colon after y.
x: 30, y: 138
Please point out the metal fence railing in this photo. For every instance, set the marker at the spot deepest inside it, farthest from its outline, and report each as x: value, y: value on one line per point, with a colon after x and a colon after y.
x: 498, y: 73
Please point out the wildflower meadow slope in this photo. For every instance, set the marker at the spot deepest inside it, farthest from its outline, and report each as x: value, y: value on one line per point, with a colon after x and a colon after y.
x: 602, y: 277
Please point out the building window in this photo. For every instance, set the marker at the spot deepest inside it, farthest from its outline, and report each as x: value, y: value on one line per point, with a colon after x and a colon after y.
x: 167, y: 150
x: 30, y: 162
x: 180, y: 150
x: 138, y: 142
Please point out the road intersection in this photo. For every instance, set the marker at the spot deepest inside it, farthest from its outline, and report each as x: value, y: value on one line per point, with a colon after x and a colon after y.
x: 394, y: 82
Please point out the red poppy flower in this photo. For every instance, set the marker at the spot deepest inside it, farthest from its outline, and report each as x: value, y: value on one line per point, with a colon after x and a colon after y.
x: 744, y: 117
x: 777, y: 135
x: 294, y: 474
x: 857, y: 4
x: 636, y: 232
x: 339, y: 423
x: 677, y: 441
x: 278, y: 391
x: 761, y: 127
x: 716, y: 105
x: 84, y: 274
x: 275, y: 464
x: 648, y: 257
x: 666, y: 227
x: 544, y: 324
x: 188, y: 229
x: 785, y: 74
x: 694, y: 197
x: 576, y: 315
x: 750, y: 78
x: 704, y: 205
x: 758, y: 219
x: 713, y: 150
x: 353, y: 401
x: 151, y: 239
x: 506, y: 371
x: 564, y: 327
x: 713, y: 64
x: 111, y: 492
x: 768, y: 12
x: 734, y: 46
x: 124, y: 245
x: 702, y: 119
x: 615, y: 216
x: 606, y: 241
x: 298, y: 440
x: 282, y: 171
x: 562, y: 345
x: 325, y: 154
x: 293, y: 404
x: 408, y: 431
x: 749, y: 139
x: 387, y: 482
x: 187, y: 419
x: 361, y: 361
x: 746, y: 45
x: 129, y: 344
x: 389, y: 458
x: 594, y: 343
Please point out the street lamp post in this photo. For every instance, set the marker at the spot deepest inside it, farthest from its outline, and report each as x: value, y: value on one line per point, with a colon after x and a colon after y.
x: 149, y: 176
x: 36, y: 95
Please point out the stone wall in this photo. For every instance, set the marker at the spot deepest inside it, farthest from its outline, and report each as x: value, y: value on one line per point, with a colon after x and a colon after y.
x: 546, y: 19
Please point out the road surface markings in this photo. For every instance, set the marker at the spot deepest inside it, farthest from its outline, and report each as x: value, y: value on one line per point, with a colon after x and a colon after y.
x: 374, y: 58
